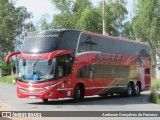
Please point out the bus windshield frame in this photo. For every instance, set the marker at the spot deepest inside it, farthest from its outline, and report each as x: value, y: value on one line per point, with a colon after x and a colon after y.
x: 36, y: 69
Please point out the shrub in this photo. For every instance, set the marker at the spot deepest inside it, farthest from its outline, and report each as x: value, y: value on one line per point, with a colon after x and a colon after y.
x: 154, y: 97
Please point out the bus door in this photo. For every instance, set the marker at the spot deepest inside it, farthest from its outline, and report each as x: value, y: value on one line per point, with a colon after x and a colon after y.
x: 63, y: 71
x: 145, y: 77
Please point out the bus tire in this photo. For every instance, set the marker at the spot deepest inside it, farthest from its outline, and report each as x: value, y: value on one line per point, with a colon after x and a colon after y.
x: 78, y: 94
x: 137, y: 89
x: 45, y: 100
x: 130, y: 90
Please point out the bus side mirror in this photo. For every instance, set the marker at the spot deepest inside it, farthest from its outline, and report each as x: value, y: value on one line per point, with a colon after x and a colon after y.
x: 24, y: 63
x: 92, y: 69
x: 7, y: 60
x: 49, y: 62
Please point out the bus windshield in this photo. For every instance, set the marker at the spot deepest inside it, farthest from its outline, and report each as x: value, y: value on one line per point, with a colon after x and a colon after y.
x: 36, y: 69
x: 40, y: 44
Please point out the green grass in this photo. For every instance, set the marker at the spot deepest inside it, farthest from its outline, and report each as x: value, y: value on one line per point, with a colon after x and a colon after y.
x: 154, y: 97
x: 8, y: 79
x: 155, y: 84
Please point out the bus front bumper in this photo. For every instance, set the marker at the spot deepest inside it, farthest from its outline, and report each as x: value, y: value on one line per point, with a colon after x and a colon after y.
x: 36, y: 93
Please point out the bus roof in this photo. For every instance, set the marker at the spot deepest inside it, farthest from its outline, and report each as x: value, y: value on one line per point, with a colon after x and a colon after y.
x: 115, y: 38
x: 51, y: 31
x: 86, y: 32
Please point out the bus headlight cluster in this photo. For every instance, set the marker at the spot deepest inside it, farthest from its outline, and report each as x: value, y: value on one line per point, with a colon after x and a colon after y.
x: 48, y: 87
x: 51, y: 86
x: 19, y: 87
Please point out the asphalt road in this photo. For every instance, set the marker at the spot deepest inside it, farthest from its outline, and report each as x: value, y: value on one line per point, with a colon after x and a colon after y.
x: 9, y: 101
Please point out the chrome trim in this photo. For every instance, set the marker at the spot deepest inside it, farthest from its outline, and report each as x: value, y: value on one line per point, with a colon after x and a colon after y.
x: 59, y: 89
x: 78, y: 42
x: 86, y: 52
x: 106, y: 87
x: 147, y: 85
x: 51, y: 86
x: 31, y: 89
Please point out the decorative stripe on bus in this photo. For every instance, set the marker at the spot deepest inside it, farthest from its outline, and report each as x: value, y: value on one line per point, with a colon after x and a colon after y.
x: 114, y: 82
x: 106, y: 87
x: 147, y: 85
x: 86, y: 52
x: 59, y: 89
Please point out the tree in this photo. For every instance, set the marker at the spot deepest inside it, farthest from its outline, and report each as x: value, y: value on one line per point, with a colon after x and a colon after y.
x: 44, y: 25
x: 128, y: 31
x: 81, y: 14
x: 117, y: 14
x: 88, y: 22
x: 146, y: 23
x: 70, y: 12
x: 13, y: 23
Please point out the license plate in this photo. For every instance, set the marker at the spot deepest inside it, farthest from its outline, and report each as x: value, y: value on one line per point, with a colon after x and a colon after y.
x: 32, y: 97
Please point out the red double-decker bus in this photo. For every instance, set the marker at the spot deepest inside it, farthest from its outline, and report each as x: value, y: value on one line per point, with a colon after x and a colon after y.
x: 72, y: 64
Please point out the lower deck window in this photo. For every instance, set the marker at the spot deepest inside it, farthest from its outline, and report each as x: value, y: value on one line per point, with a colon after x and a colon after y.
x: 104, y: 71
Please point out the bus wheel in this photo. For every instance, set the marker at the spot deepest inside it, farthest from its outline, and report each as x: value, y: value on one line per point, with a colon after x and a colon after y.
x: 78, y: 93
x: 137, y: 90
x: 45, y: 100
x: 130, y: 90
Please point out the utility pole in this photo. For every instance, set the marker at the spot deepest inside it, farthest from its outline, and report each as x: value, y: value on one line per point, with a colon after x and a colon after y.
x: 0, y: 53
x: 104, y: 18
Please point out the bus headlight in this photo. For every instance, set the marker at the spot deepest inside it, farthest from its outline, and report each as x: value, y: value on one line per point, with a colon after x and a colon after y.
x: 51, y: 86
x: 19, y: 87
x: 48, y: 87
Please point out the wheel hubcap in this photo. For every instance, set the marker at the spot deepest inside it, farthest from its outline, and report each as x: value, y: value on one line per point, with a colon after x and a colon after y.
x: 79, y: 93
x: 137, y: 89
x: 129, y: 90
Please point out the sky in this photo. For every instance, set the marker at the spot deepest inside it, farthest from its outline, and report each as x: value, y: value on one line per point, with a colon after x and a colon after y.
x: 45, y: 7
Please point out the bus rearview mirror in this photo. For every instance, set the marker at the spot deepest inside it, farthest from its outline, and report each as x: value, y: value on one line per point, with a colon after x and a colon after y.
x: 49, y: 62
x: 24, y: 63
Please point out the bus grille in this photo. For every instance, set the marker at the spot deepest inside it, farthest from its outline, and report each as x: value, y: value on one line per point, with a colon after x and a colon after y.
x: 32, y: 89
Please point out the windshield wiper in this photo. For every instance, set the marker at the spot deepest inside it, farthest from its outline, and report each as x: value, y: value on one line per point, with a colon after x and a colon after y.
x: 35, y: 65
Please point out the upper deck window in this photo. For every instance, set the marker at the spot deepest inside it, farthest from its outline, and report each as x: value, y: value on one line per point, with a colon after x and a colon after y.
x: 40, y: 43
x: 111, y: 45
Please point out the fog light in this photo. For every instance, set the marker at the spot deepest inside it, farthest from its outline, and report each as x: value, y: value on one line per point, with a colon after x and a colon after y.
x: 49, y: 94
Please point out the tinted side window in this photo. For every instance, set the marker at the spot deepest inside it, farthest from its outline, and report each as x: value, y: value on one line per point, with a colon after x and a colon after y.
x: 113, y: 46
x: 69, y: 40
x: 84, y: 72
x: 111, y: 71
x: 103, y: 44
x: 144, y: 51
x: 133, y: 49
x: 64, y: 66
x: 104, y: 71
x: 87, y: 43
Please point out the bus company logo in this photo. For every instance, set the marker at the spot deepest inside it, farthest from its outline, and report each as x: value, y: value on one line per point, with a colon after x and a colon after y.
x: 43, y: 36
x: 108, y: 58
x: 6, y: 114
x: 21, y: 114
